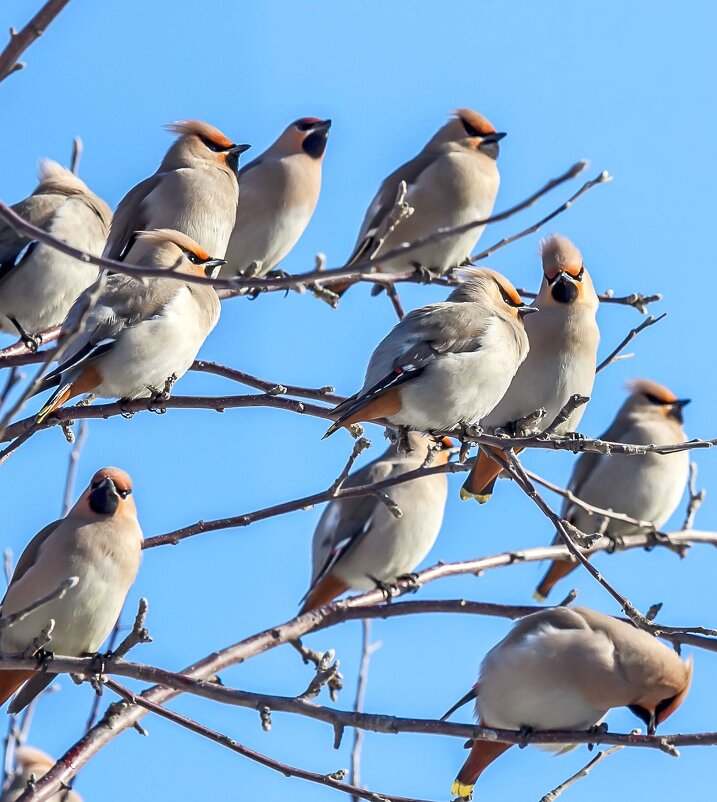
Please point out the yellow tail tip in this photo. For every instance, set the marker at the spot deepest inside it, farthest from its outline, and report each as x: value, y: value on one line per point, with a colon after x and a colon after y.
x: 330, y: 430
x: 461, y: 790
x: 538, y: 596
x: 481, y: 498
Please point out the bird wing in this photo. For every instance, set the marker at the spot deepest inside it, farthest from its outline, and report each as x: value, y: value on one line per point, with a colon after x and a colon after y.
x: 346, y: 522
x: 423, y: 336
x: 131, y: 216
x: 29, y: 556
x: 588, y: 461
x: 37, y: 209
x: 383, y: 202
x: 124, y: 302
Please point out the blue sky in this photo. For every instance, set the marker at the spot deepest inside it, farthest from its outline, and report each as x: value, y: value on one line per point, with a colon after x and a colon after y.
x: 624, y: 85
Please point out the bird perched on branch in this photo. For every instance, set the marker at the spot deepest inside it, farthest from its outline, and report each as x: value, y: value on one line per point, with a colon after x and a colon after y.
x: 38, y: 284
x: 99, y: 543
x: 560, y: 364
x: 453, y: 181
x: 360, y: 542
x: 647, y: 487
x: 278, y: 192
x: 195, y: 191
x: 137, y: 336
x: 446, y: 364
x: 563, y: 669
x: 32, y: 764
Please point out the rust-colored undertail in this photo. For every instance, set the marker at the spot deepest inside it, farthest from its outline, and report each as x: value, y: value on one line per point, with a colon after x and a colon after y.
x: 481, y: 480
x: 557, y: 571
x: 86, y: 382
x: 482, y: 754
x: 324, y: 592
x: 381, y: 406
x: 11, y: 680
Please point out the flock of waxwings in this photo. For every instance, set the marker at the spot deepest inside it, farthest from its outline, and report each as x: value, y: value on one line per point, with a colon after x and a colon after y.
x: 479, y: 356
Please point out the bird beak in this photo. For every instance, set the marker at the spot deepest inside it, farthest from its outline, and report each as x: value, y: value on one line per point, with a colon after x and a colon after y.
x: 526, y: 310
x: 104, y: 499
x: 238, y: 149
x: 324, y: 125
x: 214, y: 263
x: 496, y: 136
x: 211, y: 268
x: 681, y: 402
x: 652, y: 724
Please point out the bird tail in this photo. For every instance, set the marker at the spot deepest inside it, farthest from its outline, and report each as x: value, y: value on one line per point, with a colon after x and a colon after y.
x: 324, y: 592
x: 481, y: 480
x: 482, y: 754
x: 57, y: 399
x: 558, y: 569
x: 34, y: 687
x: 11, y: 680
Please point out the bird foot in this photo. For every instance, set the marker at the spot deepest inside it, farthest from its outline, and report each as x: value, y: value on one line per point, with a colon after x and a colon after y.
x: 389, y: 591
x: 525, y: 733
x: 98, y: 663
x: 43, y: 657
x: 616, y: 543
x: 424, y: 275
x: 412, y: 582
x: 403, y: 445
x: 31, y: 342
x: 124, y: 409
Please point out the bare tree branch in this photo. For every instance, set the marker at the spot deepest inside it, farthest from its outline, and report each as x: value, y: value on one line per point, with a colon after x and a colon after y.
x: 21, y: 40
x: 584, y: 771
x: 613, y: 355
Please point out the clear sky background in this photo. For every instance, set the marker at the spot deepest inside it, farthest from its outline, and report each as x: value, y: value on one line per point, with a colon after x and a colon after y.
x: 628, y: 86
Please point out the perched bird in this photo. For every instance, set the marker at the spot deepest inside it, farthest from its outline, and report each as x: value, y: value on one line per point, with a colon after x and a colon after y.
x: 359, y: 543
x: 99, y: 542
x: 564, y: 668
x: 38, y: 284
x: 278, y: 193
x: 647, y: 487
x: 138, y: 336
x: 447, y: 363
x: 451, y: 182
x: 32, y: 764
x: 562, y: 358
x: 195, y: 191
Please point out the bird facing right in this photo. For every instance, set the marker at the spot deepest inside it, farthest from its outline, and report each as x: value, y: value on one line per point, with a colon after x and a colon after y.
x: 564, y: 668
x: 647, y: 487
x: 445, y: 364
x: 452, y: 182
x: 278, y: 192
x: 98, y: 542
x: 194, y: 190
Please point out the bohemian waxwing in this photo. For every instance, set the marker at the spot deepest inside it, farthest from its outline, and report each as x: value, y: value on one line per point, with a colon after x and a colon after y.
x: 278, y: 193
x: 360, y: 544
x: 647, y: 487
x: 195, y: 191
x: 562, y: 358
x: 447, y: 363
x: 32, y: 764
x: 563, y: 669
x: 99, y: 541
x: 452, y: 181
x: 137, y: 334
x: 38, y: 284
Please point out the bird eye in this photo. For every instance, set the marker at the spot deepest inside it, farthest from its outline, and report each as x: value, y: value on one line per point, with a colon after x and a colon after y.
x: 213, y: 146
x: 303, y: 125
x: 471, y: 130
x: 653, y: 399
x: 96, y: 484
x: 193, y: 258
x: 579, y: 276
x: 124, y: 493
x: 507, y: 298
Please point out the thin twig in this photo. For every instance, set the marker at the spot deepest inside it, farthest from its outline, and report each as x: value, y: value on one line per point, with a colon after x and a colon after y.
x: 21, y: 40
x: 367, y: 650
x: 602, y: 178
x: 695, y: 500
x: 584, y: 771
x: 613, y: 355
x: 72, y: 466
x: 11, y: 619
x: 77, y: 150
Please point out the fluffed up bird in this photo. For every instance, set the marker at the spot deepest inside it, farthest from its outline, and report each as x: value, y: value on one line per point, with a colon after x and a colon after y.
x: 446, y: 364
x: 32, y: 765
x: 453, y: 181
x: 278, y: 193
x: 647, y: 487
x: 561, y: 362
x: 360, y: 544
x: 138, y: 336
x: 564, y: 668
x: 99, y: 542
x: 38, y: 284
x: 195, y: 191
